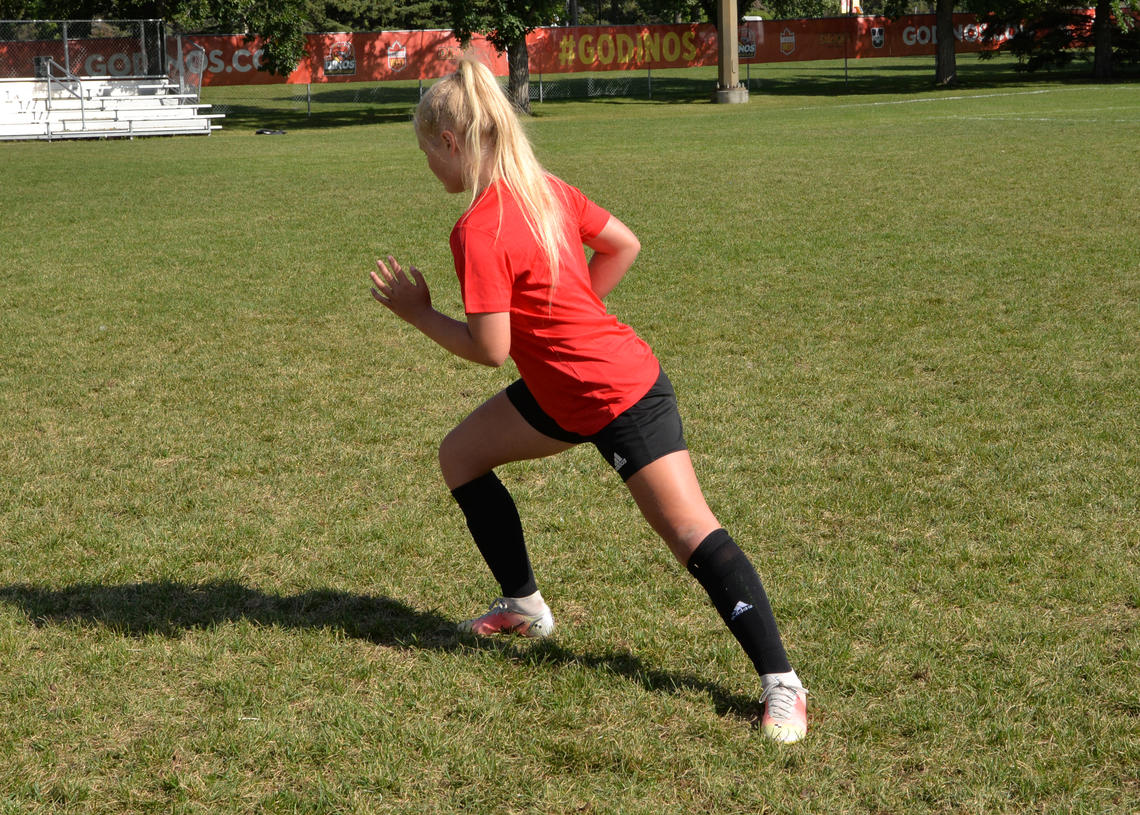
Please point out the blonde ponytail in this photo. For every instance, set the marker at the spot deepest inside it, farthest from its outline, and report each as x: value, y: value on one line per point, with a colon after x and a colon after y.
x: 471, y: 104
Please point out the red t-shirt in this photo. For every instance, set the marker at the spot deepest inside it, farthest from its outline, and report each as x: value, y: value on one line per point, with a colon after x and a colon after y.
x: 582, y: 365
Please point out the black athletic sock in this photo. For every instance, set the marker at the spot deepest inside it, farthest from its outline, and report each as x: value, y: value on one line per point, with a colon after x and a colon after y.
x: 735, y: 590
x: 494, y: 523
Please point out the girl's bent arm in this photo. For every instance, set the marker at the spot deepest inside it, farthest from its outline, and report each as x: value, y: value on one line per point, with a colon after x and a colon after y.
x: 615, y: 249
x: 484, y: 338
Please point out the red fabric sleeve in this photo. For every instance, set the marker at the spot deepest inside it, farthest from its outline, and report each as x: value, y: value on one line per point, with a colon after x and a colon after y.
x: 484, y: 269
x: 592, y: 218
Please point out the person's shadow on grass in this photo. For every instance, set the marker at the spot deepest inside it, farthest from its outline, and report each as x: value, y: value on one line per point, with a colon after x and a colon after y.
x: 168, y: 608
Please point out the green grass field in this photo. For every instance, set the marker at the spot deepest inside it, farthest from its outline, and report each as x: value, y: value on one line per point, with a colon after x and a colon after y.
x: 903, y: 324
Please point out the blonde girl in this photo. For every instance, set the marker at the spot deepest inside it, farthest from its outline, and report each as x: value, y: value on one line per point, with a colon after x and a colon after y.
x: 530, y: 292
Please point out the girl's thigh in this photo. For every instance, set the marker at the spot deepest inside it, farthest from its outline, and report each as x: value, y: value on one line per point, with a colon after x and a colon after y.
x: 495, y: 433
x: 669, y: 496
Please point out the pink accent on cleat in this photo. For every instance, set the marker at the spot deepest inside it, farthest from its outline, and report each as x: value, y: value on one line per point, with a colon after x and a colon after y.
x: 785, y: 712
x: 502, y: 619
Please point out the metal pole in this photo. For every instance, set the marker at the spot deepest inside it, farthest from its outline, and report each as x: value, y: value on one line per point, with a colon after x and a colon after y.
x: 181, y: 67
x: 309, y: 99
x: 846, y: 48
x: 142, y: 47
x: 649, y: 74
x: 66, y: 50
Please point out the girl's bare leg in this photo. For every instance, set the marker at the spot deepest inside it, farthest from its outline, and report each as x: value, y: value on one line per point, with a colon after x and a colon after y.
x: 668, y: 495
x: 494, y: 433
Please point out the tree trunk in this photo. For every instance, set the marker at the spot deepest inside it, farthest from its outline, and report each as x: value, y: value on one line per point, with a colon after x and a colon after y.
x: 1102, y: 40
x: 518, y: 80
x: 946, y: 66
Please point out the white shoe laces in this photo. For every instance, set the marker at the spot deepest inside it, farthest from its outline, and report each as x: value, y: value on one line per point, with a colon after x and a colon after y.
x: 781, y: 699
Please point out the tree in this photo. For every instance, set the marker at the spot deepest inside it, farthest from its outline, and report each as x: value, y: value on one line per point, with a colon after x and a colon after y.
x: 1051, y: 33
x: 376, y: 15
x: 788, y: 9
x: 945, y: 60
x: 506, y: 23
x: 657, y: 11
x: 282, y: 24
x: 945, y: 55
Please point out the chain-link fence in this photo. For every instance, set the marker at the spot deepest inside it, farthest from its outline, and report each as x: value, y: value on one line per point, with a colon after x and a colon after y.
x: 115, y: 48
x: 629, y: 84
x: 185, y: 65
x: 625, y: 84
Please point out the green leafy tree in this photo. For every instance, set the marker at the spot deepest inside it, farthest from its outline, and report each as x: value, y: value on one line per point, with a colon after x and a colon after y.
x: 281, y: 24
x: 376, y: 15
x: 796, y: 9
x: 1050, y: 33
x: 625, y: 12
x: 506, y: 23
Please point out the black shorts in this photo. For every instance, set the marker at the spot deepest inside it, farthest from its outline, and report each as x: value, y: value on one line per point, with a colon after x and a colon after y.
x: 646, y: 431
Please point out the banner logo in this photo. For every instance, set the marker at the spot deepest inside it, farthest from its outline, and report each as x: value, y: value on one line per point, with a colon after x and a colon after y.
x: 878, y: 36
x: 747, y: 46
x: 787, y: 41
x: 340, y: 60
x: 397, y: 57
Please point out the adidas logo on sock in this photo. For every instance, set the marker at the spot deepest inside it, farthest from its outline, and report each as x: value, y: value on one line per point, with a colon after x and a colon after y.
x: 740, y: 608
x: 619, y: 461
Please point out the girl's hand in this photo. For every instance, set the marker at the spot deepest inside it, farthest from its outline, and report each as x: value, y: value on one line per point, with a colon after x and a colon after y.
x: 408, y: 299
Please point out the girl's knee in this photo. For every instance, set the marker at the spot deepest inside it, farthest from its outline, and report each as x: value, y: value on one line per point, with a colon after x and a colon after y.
x: 457, y: 463
x: 449, y: 459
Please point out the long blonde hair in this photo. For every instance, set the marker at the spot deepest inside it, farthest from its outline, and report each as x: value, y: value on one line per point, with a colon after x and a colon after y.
x: 471, y: 105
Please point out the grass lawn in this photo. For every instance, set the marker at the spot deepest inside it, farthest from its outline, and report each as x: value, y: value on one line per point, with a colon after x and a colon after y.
x: 902, y: 323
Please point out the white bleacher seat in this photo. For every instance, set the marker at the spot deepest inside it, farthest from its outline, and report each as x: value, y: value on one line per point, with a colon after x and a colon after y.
x: 100, y: 107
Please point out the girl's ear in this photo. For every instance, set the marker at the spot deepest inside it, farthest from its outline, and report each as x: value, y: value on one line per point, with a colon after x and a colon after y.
x: 450, y: 141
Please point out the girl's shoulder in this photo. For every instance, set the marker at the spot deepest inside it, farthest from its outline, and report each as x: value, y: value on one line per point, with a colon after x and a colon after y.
x: 487, y: 205
x: 564, y: 188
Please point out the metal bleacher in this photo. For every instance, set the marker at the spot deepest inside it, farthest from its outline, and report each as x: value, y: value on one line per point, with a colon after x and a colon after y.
x: 98, y: 107
x: 57, y: 103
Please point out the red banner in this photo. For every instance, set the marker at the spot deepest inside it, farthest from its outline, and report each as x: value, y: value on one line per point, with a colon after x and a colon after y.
x: 427, y: 54
x: 855, y: 37
x: 392, y: 55
x: 385, y: 56
x: 621, y: 48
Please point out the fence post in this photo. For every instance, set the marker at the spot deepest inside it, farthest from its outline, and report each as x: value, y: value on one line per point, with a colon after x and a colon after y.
x: 66, y: 50
x: 181, y: 65
x: 142, y: 48
x: 649, y: 74
x: 309, y: 99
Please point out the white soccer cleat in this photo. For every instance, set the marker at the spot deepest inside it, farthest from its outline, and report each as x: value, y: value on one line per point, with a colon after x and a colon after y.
x: 502, y: 618
x: 785, y: 712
